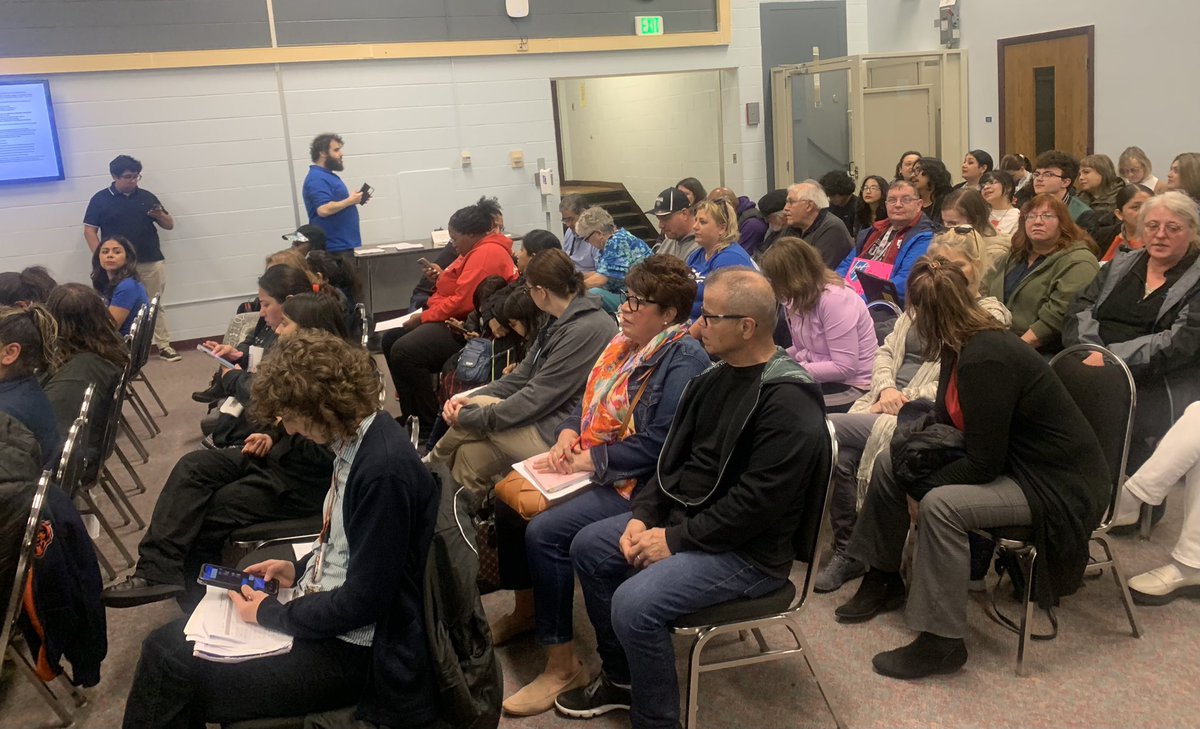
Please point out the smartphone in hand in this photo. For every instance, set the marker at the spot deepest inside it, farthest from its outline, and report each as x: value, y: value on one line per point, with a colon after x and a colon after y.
x: 366, y: 191
x: 230, y: 579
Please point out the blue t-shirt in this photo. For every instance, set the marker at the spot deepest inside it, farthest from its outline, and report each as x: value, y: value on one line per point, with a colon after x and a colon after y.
x: 24, y: 399
x: 129, y: 295
x: 621, y: 253
x: 341, y: 229
x: 733, y: 255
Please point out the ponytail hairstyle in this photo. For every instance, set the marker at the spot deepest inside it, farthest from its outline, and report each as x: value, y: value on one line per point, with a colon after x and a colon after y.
x: 318, y: 310
x: 281, y: 281
x: 334, y: 271
x: 84, y: 324
x: 943, y: 307
x: 104, y: 283
x: 553, y: 270
x: 34, y: 330
x: 476, y: 220
x: 30, y: 286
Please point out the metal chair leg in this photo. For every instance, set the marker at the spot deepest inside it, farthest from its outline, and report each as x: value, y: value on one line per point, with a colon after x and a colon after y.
x: 806, y: 652
x: 111, y: 487
x: 106, y: 487
x: 64, y: 715
x: 1028, y: 564
x: 143, y: 413
x: 153, y: 393
x: 134, y: 440
x: 693, y: 682
x: 108, y: 529
x: 1123, y: 585
x: 138, y: 485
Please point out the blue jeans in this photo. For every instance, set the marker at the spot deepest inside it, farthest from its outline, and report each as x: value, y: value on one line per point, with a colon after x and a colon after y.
x: 632, y: 611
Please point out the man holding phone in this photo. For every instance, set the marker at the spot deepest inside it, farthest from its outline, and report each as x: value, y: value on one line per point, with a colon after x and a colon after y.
x: 329, y: 203
x: 125, y: 209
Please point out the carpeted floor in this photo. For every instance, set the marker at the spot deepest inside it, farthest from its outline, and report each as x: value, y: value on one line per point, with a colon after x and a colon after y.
x: 1093, y: 675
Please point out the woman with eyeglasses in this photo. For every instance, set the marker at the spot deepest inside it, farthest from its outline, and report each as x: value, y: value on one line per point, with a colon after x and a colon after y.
x: 1145, y: 307
x: 833, y: 335
x: 997, y: 190
x: 616, y: 431
x: 871, y: 208
x: 966, y: 209
x: 1052, y: 260
x: 1135, y: 167
x: 517, y: 416
x: 617, y: 250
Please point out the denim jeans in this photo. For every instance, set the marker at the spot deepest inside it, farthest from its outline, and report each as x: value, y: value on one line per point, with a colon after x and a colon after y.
x: 632, y: 611
x: 537, y: 554
x: 173, y: 689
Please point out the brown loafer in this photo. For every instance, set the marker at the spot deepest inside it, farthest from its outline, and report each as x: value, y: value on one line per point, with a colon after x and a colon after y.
x: 538, y: 696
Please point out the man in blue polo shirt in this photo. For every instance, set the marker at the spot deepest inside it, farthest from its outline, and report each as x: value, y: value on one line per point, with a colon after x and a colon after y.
x: 330, y: 206
x: 125, y: 209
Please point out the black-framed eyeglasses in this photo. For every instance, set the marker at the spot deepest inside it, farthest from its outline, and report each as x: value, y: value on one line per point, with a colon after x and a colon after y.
x: 636, y: 302
x: 1039, y: 174
x: 707, y: 319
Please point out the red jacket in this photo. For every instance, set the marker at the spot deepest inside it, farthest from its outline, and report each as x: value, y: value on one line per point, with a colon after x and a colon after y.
x: 453, y: 295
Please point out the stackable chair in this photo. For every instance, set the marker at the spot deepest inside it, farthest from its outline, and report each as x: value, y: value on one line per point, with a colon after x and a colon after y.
x: 1108, y: 398
x: 782, y: 607
x: 883, y: 315
x: 360, y: 311
x: 10, y: 638
x: 141, y: 335
x: 144, y: 356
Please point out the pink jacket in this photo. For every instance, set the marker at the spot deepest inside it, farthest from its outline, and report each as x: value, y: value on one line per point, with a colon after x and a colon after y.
x: 835, y: 341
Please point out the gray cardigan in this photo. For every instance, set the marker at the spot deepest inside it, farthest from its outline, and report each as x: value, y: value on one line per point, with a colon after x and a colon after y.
x: 544, y: 388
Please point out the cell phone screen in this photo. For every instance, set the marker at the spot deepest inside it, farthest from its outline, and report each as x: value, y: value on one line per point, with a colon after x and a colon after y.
x: 218, y: 576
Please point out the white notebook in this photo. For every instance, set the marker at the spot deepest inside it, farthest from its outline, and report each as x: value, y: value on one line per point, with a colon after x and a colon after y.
x: 220, y: 635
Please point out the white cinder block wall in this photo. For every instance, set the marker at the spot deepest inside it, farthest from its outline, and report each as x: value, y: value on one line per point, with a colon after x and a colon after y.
x: 215, y: 149
x: 645, y: 131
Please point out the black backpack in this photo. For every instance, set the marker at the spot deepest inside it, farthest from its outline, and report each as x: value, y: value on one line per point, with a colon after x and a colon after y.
x: 469, y: 682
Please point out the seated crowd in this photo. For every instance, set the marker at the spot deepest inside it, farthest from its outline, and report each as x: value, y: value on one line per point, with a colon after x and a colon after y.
x: 691, y: 377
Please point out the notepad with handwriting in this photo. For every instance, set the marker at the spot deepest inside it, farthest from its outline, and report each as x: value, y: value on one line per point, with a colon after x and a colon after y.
x: 552, y: 484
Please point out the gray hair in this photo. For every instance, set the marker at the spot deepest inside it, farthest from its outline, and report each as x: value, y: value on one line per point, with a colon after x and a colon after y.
x: 811, y: 191
x: 573, y: 203
x: 1181, y: 206
x: 753, y: 294
x: 594, y: 220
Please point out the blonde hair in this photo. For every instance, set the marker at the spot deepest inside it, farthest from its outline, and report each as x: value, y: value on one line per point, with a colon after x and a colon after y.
x: 1179, y: 205
x: 968, y: 244
x: 291, y: 257
x: 723, y: 214
x: 1135, y: 154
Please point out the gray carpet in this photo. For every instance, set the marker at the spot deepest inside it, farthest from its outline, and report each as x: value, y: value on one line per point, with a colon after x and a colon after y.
x: 1093, y: 675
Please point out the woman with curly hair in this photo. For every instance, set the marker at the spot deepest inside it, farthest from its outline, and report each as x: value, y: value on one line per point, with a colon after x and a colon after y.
x: 359, y: 636
x: 115, y: 276
x: 932, y: 181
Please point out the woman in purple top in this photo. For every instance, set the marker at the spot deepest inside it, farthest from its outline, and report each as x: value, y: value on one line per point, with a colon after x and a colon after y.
x: 833, y: 336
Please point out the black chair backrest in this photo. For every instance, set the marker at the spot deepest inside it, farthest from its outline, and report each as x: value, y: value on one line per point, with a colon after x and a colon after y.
x: 111, y: 424
x: 141, y: 332
x: 363, y: 324
x: 23, y: 558
x: 814, y: 523
x: 74, y: 462
x: 1107, y: 396
x: 884, y: 314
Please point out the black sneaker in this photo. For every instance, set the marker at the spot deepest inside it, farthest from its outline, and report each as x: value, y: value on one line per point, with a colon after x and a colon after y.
x: 134, y: 591
x: 599, y: 697
x: 168, y: 354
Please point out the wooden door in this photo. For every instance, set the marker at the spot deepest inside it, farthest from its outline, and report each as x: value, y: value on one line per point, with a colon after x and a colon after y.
x: 1046, y: 92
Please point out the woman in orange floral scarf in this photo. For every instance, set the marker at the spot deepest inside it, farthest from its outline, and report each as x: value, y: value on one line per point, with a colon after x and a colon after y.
x: 616, y: 432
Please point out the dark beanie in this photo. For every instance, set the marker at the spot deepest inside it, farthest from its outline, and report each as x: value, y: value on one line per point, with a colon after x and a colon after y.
x: 772, y: 202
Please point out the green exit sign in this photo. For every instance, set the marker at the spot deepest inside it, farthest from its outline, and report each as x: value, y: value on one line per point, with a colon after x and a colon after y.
x: 649, y: 25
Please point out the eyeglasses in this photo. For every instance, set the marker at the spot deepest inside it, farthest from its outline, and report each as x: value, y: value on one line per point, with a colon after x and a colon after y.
x: 1039, y: 174
x: 635, y: 302
x: 130, y: 178
x: 1154, y: 226
x: 794, y: 202
x: 894, y: 201
x: 707, y: 319
x: 1041, y: 216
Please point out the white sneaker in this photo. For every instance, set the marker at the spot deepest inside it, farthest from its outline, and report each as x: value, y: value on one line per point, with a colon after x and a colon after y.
x: 1163, y: 584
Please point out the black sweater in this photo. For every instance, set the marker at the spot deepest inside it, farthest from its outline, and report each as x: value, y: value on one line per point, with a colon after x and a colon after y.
x: 1020, y: 420
x: 390, y: 508
x: 766, y: 503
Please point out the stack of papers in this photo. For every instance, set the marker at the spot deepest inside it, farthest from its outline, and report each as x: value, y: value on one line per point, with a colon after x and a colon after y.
x: 383, y: 326
x: 404, y: 246
x: 552, y: 484
x: 370, y: 251
x: 220, y: 635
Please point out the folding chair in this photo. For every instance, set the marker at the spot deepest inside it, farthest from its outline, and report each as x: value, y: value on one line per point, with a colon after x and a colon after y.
x: 9, y: 636
x: 1108, y: 398
x: 884, y: 315
x: 360, y: 310
x: 144, y: 356
x: 778, y: 608
x: 140, y: 336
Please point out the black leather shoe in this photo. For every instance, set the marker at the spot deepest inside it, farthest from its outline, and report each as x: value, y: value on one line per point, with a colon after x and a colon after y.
x: 879, y: 592
x: 208, y: 395
x: 928, y: 655
x: 134, y: 591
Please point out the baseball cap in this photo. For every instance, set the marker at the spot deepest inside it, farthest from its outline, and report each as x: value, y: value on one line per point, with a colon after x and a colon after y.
x: 310, y: 234
x: 669, y: 201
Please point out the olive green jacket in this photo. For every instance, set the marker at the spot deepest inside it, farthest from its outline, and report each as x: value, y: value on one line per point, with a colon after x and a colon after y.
x: 1039, y: 302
